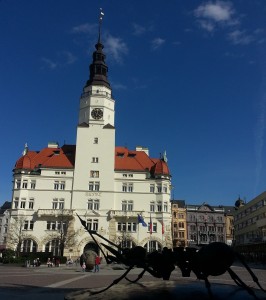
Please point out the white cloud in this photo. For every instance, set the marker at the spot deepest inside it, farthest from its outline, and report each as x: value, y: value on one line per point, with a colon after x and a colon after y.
x: 138, y: 29
x: 115, y: 48
x: 64, y: 58
x: 69, y: 57
x: 238, y: 37
x: 156, y: 43
x: 211, y: 14
x: 85, y: 28
x: 118, y: 86
x: 49, y: 63
x: 209, y: 26
x: 219, y: 11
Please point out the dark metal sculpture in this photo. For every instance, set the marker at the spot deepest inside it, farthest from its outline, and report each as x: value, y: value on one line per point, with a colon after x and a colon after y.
x: 211, y: 260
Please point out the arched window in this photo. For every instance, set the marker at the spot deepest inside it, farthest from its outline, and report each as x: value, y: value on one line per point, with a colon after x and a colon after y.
x: 127, y: 244
x: 53, y: 246
x: 152, y: 246
x: 28, y: 245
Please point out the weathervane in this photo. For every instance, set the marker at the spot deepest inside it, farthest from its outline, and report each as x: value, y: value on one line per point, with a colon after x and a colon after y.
x: 100, y: 23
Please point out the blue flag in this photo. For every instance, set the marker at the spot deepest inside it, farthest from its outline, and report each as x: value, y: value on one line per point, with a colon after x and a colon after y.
x: 141, y: 220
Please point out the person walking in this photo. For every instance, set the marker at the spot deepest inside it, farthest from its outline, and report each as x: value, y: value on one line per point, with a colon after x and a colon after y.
x: 97, y: 263
x: 83, y: 267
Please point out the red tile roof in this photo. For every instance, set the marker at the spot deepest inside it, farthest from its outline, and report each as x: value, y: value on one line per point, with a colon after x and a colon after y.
x: 48, y: 158
x: 64, y: 157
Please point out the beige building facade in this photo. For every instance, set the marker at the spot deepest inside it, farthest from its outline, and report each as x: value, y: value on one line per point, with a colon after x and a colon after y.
x: 250, y: 221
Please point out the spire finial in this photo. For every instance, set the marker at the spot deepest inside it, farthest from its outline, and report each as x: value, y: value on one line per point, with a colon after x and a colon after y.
x: 26, y: 148
x: 100, y: 24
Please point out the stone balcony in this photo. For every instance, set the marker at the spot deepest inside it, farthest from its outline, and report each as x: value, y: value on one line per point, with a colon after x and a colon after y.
x: 55, y: 213
x: 121, y: 213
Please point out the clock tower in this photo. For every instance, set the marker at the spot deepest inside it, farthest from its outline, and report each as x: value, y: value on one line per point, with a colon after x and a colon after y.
x: 95, y: 146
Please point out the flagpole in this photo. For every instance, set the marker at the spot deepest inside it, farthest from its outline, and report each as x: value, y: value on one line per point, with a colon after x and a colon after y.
x: 162, y: 229
x: 138, y: 234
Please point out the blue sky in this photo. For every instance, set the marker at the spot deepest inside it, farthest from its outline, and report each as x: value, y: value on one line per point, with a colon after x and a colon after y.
x: 188, y: 77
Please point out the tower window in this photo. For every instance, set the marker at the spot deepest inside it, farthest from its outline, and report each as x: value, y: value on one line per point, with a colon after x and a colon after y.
x: 95, y: 159
x: 94, y: 174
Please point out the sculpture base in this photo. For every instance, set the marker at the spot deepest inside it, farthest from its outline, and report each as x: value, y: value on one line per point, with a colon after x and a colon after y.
x: 183, y: 290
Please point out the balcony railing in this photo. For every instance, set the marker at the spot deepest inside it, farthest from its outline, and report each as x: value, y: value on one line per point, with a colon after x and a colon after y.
x: 55, y: 212
x: 128, y: 213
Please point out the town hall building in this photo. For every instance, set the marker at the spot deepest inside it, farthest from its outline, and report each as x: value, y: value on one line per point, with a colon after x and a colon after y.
x: 122, y: 194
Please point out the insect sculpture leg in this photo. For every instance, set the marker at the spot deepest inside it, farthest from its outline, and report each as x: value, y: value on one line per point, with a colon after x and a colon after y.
x: 254, y: 277
x: 241, y: 283
x: 114, y: 282
x: 138, y: 278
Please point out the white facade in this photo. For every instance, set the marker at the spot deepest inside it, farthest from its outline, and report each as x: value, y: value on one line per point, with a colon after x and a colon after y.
x: 106, y: 186
x: 4, y: 221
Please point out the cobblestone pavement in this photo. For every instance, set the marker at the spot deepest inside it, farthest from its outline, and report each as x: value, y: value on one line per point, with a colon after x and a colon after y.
x: 40, y: 283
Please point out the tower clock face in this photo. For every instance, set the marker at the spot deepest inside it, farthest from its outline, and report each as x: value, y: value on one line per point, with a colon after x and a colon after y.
x: 97, y: 113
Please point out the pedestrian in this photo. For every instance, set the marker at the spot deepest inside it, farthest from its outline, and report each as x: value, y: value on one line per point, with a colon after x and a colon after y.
x: 97, y: 263
x: 83, y: 267
x: 49, y: 263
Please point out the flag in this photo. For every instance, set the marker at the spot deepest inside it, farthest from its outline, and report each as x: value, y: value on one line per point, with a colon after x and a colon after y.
x: 150, y: 225
x: 141, y: 220
x: 162, y: 227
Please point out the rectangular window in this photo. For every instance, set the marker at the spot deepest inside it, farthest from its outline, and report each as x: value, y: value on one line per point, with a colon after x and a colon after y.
x: 96, y: 204
x: 130, y: 206
x: 124, y: 205
x: 31, y: 225
x: 90, y: 204
x: 127, y: 205
x: 91, y: 185
x: 53, y: 225
x: 96, y: 140
x: 25, y: 184
x: 159, y: 206
x: 152, y: 206
x: 61, y: 204
x: 124, y: 187
x: 94, y: 174
x: 18, y: 184
x: 31, y: 203
x: 165, y: 188
x: 159, y: 188
x: 94, y: 186
x: 127, y: 227
x: 16, y: 201
x: 130, y: 188
x: 97, y: 186
x: 55, y: 203
x: 95, y: 159
x: 56, y: 185
x: 33, y: 184
x: 165, y: 207
x: 181, y: 234
x: 23, y: 203
x: 62, y: 185
x: 154, y: 227
x: 93, y: 224
x: 127, y: 187
x: 152, y: 188
x: 26, y: 223
x: 93, y: 204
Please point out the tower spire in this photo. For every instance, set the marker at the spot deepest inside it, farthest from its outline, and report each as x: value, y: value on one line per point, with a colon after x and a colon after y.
x: 100, y: 24
x: 98, y: 68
